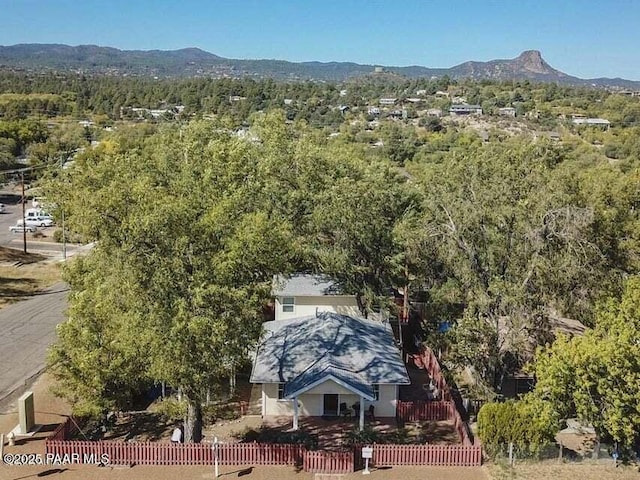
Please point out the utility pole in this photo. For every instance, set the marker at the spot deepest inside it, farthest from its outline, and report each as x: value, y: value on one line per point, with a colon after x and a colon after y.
x: 24, y: 225
x: 64, y: 240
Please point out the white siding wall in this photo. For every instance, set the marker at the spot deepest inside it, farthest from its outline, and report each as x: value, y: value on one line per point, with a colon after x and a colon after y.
x: 312, y: 402
x: 305, y: 306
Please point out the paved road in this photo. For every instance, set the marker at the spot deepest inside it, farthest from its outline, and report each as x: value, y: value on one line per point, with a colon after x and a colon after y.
x: 27, y: 329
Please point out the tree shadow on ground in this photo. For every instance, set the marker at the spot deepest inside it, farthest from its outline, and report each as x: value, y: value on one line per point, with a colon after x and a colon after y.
x: 17, y: 287
x: 138, y: 426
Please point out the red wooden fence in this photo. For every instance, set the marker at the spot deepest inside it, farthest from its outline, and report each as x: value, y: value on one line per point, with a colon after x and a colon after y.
x: 442, y: 410
x: 324, y: 461
x: 260, y: 454
x: 155, y: 453
x: 439, y: 455
x: 65, y: 430
x: 423, y: 410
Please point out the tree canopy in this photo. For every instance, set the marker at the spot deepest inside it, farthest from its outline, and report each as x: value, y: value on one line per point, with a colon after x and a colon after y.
x: 595, y: 377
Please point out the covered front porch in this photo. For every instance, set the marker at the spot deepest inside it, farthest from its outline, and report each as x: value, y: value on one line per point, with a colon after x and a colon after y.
x: 331, y: 406
x: 330, y: 391
x: 331, y: 432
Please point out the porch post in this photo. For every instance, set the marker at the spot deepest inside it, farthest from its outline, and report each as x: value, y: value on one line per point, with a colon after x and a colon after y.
x: 361, y: 412
x: 295, y: 413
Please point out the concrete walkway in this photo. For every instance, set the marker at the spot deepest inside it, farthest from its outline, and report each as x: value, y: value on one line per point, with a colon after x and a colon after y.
x: 27, y: 329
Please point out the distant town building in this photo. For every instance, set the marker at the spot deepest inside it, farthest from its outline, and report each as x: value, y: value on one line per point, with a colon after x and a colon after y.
x: 388, y: 101
x: 507, y: 111
x: 440, y: 93
x: 414, y: 100
x: 421, y: 92
x: 343, y: 93
x: 397, y: 113
x: 378, y: 70
x: 592, y: 122
x: 465, y: 110
x: 236, y: 98
x: 434, y: 112
x: 373, y: 111
x: 288, y: 101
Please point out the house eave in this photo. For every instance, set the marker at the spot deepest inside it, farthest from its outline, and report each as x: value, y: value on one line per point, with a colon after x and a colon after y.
x: 323, y: 379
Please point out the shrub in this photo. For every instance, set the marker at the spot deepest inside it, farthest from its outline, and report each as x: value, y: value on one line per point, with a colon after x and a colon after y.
x: 213, y: 412
x: 269, y: 435
x: 514, y: 422
x: 171, y: 409
x: 69, y: 237
x: 362, y: 437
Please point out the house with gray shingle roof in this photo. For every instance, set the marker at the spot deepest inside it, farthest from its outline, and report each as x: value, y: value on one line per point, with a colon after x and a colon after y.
x: 302, y: 295
x: 327, y: 364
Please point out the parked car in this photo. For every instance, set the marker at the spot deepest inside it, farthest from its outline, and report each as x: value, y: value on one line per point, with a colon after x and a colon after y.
x: 1, y: 207
x: 20, y: 228
x: 37, y: 222
x: 37, y: 212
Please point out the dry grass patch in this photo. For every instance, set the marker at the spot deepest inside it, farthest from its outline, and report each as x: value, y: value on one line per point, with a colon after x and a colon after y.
x: 562, y: 471
x: 24, y: 275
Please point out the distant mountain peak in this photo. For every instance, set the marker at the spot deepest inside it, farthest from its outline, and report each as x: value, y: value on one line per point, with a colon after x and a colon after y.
x: 531, y: 55
x: 532, y: 61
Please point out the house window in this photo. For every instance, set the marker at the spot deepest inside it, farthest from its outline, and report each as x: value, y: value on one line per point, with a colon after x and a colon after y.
x: 281, y: 391
x: 287, y: 304
x: 376, y: 391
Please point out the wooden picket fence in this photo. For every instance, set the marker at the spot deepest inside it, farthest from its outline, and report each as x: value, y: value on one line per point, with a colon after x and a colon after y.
x: 65, y: 430
x: 438, y: 455
x: 260, y: 454
x: 315, y: 461
x: 423, y: 410
x: 156, y: 453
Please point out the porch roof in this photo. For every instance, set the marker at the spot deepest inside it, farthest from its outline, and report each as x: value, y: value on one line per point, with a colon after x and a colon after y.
x: 323, y: 371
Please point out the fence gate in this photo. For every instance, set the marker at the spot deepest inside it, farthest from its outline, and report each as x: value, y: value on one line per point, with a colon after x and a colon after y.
x: 322, y: 461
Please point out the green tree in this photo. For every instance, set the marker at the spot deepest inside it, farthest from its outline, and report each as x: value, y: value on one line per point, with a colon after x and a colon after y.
x: 595, y: 377
x: 198, y: 251
x: 498, y: 221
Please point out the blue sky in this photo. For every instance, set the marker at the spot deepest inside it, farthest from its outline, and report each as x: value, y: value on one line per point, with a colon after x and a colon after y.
x: 586, y: 38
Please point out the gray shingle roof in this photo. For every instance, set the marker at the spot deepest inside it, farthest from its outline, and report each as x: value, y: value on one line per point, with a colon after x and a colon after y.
x: 304, y: 285
x: 360, y: 347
